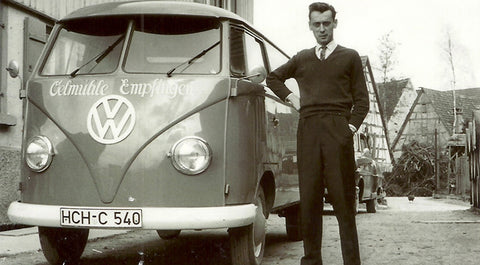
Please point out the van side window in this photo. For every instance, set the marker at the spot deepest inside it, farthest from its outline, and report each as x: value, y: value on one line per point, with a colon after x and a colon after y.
x: 245, y: 52
x: 275, y: 59
x: 253, y: 52
x: 237, y: 57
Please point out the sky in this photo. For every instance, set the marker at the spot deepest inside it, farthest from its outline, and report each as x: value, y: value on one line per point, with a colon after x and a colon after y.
x: 418, y: 27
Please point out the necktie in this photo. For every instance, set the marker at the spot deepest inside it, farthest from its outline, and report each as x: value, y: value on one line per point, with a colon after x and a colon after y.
x: 323, y: 49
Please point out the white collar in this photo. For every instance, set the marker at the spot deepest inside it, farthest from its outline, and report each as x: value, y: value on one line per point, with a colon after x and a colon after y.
x: 330, y: 47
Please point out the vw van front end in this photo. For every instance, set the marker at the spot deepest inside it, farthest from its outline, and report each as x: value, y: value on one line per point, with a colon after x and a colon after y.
x: 125, y: 126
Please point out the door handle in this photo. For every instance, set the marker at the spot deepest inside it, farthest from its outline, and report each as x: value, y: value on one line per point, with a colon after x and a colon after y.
x: 275, y: 121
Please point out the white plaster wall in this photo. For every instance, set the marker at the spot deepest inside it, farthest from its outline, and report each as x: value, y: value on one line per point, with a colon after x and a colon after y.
x: 11, y: 138
x: 400, y: 112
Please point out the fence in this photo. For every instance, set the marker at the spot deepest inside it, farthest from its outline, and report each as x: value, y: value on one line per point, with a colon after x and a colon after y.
x: 473, y: 151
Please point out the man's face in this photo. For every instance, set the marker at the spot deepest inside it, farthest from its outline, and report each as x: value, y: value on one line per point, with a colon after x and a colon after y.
x: 322, y: 25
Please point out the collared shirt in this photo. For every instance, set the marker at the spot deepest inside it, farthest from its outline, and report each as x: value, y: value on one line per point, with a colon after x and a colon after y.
x: 330, y: 47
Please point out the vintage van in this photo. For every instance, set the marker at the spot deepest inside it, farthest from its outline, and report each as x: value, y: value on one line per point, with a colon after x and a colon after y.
x: 154, y: 115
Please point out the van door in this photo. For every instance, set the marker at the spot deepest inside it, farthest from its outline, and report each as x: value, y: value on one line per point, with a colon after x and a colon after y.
x: 282, y: 122
x: 243, y: 143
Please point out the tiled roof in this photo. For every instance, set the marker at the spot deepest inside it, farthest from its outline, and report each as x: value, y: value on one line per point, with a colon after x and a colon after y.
x: 466, y: 99
x: 390, y: 93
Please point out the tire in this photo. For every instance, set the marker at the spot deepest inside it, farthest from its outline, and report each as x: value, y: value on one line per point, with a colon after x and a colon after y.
x: 293, y: 223
x: 247, y: 243
x: 62, y: 245
x: 168, y: 234
x: 371, y: 206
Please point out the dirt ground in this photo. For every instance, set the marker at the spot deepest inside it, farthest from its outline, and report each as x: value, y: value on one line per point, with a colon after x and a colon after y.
x: 426, y: 231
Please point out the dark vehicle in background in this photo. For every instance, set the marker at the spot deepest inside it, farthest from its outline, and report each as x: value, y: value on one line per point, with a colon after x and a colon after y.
x: 368, y: 177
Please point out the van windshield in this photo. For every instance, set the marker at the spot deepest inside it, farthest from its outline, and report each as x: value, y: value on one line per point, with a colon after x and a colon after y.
x: 168, y: 44
x: 83, y: 48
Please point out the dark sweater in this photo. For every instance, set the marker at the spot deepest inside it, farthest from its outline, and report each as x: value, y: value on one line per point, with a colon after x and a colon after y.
x: 335, y: 85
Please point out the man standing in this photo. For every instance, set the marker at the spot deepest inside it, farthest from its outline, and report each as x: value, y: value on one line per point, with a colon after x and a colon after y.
x: 333, y: 103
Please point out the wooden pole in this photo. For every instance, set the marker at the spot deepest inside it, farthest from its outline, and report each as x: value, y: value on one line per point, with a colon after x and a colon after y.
x: 449, y: 167
x: 437, y: 176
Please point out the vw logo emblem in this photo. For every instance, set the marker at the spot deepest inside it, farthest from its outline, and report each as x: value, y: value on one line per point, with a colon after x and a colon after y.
x: 111, y: 119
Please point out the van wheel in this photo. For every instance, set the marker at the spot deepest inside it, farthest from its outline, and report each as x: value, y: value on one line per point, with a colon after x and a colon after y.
x: 62, y: 245
x: 371, y: 206
x: 247, y: 243
x: 293, y: 223
x: 168, y: 234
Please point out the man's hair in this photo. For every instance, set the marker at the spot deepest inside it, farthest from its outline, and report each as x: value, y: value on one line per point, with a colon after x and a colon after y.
x: 321, y: 7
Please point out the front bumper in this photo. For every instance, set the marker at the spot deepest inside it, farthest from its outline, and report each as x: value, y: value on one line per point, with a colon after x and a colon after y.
x: 162, y: 218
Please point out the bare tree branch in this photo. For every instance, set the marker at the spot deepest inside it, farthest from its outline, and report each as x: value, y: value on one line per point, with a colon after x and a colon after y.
x: 387, y: 48
x: 448, y: 49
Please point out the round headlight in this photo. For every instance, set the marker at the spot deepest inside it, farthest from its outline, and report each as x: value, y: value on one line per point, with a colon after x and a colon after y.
x: 191, y: 155
x: 39, y: 153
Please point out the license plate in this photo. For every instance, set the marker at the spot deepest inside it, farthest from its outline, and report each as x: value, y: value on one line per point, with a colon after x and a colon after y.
x: 93, y: 217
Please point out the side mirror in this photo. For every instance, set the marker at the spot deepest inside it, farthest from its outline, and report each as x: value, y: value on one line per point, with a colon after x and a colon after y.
x: 257, y: 74
x: 13, y: 68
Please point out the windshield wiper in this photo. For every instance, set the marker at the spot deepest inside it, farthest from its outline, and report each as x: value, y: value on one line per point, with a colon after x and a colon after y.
x: 99, y: 57
x: 190, y: 61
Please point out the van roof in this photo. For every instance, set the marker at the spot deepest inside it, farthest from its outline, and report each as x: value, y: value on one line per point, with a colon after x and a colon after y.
x: 152, y: 8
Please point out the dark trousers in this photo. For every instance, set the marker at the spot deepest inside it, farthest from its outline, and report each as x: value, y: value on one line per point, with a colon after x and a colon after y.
x: 326, y: 159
